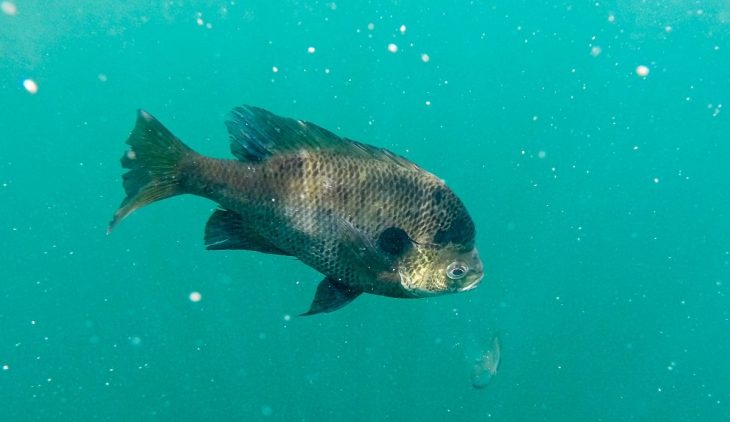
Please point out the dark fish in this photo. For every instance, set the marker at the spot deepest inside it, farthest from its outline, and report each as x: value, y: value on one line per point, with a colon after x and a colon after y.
x: 369, y: 220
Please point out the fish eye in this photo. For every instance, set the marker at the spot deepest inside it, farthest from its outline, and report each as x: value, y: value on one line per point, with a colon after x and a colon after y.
x: 456, y: 270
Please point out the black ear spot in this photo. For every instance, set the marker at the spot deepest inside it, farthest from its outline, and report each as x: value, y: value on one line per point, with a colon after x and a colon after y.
x: 394, y: 241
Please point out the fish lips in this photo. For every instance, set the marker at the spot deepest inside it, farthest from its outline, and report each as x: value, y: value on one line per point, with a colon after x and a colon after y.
x: 471, y: 285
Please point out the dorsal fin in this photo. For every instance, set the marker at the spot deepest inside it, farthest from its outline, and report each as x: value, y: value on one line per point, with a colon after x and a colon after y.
x: 257, y: 134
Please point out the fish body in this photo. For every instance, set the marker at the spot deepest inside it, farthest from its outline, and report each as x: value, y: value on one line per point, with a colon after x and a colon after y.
x: 369, y: 220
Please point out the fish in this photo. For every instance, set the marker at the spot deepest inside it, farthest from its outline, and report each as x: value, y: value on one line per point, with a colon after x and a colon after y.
x: 486, y: 365
x: 369, y: 220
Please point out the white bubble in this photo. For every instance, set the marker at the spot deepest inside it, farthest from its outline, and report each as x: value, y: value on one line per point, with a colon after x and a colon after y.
x: 402, y: 29
x: 30, y: 86
x: 642, y: 70
x: 595, y: 51
x: 274, y: 69
x: 287, y: 317
x: 428, y: 103
x: 9, y: 8
x: 392, y: 48
x: 541, y: 154
x: 195, y: 296
x: 425, y: 58
x: 371, y: 26
x: 311, y: 50
x: 6, y: 367
x: 656, y: 180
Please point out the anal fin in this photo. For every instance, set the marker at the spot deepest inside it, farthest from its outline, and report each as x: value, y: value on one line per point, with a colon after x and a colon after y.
x: 331, y: 295
x: 227, y: 230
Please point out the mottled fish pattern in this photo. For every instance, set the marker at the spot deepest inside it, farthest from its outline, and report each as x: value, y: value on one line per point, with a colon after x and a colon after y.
x: 369, y: 220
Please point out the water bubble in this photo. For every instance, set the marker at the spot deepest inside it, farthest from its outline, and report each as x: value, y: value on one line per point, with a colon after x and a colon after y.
x: 30, y: 86
x: 195, y: 296
x: 642, y: 70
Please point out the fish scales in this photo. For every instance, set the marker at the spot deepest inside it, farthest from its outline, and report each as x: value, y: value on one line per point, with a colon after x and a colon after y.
x: 370, y: 221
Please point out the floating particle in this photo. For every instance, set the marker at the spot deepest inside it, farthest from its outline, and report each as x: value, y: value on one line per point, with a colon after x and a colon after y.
x: 486, y: 366
x: 274, y: 69
x: 611, y: 18
x: 668, y: 28
x: 425, y: 58
x: 195, y: 296
x: 392, y: 48
x: 642, y: 70
x: 30, y: 86
x: 6, y: 367
x: 310, y: 50
x: 595, y: 51
x: 428, y: 103
x: 102, y: 77
x: 402, y: 29
x: 656, y: 180
x: 9, y: 8
x: 266, y: 411
x: 541, y: 154
x: 371, y: 26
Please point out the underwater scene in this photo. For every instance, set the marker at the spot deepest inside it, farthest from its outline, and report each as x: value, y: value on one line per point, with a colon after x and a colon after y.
x: 364, y: 210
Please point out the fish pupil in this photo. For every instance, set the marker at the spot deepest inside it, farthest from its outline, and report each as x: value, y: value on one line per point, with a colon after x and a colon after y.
x: 394, y: 241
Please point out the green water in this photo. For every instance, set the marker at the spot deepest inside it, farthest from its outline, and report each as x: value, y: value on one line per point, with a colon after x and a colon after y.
x: 600, y: 197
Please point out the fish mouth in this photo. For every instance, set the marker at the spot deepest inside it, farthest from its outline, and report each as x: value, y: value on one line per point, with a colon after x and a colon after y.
x: 471, y: 285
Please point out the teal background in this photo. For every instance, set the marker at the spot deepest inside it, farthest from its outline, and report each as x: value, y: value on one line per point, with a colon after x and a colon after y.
x: 600, y: 197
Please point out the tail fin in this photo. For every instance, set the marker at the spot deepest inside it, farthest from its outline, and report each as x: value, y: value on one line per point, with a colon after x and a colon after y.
x: 154, y: 162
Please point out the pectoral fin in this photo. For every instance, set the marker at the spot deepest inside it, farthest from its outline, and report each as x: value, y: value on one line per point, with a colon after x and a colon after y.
x: 331, y: 295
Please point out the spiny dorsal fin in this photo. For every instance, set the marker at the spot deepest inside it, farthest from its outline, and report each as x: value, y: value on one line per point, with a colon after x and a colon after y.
x: 256, y: 134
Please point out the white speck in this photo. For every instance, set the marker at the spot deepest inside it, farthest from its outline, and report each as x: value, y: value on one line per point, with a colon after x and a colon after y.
x: 611, y: 18
x: 199, y: 21
x: 102, y: 77
x: 32, y: 322
x: 311, y: 50
x: 327, y: 70
x: 402, y: 29
x: 131, y: 155
x: 195, y: 296
x: 30, y: 86
x: 392, y: 48
x: 541, y: 154
x: 9, y: 8
x: 428, y: 103
x: 275, y: 69
x: 595, y: 51
x: 636, y: 148
x: 535, y: 118
x: 642, y: 70
x: 656, y: 180
x: 425, y: 58
x: 287, y: 317
x: 668, y: 28
x: 371, y: 26
x: 6, y: 367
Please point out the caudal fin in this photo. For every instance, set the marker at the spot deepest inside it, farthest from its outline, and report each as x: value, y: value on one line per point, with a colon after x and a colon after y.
x: 154, y: 162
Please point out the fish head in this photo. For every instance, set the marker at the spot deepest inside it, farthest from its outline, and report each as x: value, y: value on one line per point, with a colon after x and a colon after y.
x: 434, y: 270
